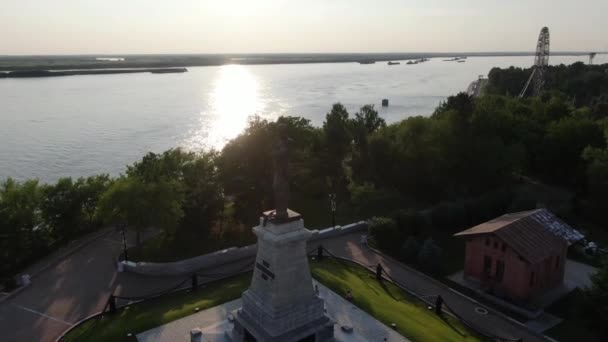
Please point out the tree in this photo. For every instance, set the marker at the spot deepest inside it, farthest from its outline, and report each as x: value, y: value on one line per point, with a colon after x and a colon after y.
x: 203, y: 196
x: 366, y: 122
x: 337, y: 145
x: 62, y: 209
x: 22, y: 234
x: 246, y: 165
x: 91, y: 189
x: 385, y: 233
x: 597, y: 179
x: 596, y: 299
x: 197, y: 176
x: 429, y: 257
x: 411, y: 222
x: 563, y: 146
x: 169, y: 166
x: 410, y: 250
x: 141, y: 205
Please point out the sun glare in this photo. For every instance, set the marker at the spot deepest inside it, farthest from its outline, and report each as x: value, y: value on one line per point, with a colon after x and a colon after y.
x: 233, y: 100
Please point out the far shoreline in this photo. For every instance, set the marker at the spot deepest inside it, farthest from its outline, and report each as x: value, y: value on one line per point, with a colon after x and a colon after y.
x: 91, y: 62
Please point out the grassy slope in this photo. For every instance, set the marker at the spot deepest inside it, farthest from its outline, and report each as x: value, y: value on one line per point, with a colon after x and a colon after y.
x: 386, y: 302
x: 389, y: 304
x: 145, y: 316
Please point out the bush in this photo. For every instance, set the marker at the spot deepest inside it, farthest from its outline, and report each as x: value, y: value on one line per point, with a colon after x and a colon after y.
x: 410, y: 222
x: 9, y: 284
x: 596, y: 299
x: 385, y: 233
x: 429, y: 256
x: 449, y: 216
x: 488, y: 206
x: 410, y: 250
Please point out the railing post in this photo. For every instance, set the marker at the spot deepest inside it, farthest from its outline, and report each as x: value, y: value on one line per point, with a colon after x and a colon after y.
x: 112, y: 304
x: 438, y: 305
x: 379, y: 270
x: 194, y: 278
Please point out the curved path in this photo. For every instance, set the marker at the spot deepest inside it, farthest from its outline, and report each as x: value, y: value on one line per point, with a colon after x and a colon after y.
x: 80, y: 284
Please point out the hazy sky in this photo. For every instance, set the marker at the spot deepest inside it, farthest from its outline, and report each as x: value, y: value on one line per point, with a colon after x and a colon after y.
x: 201, y: 26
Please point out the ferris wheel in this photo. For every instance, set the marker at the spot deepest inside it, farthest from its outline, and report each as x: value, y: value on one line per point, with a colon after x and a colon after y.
x: 541, y: 61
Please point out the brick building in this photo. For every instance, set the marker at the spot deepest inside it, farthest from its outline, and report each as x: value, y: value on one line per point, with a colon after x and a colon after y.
x: 518, y: 256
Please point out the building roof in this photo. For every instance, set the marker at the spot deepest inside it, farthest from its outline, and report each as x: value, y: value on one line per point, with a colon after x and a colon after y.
x: 534, y: 234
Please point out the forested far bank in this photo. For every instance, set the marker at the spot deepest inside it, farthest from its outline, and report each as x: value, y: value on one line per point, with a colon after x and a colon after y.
x: 458, y: 158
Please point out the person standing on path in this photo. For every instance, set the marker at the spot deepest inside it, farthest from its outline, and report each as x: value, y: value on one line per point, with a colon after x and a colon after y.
x: 379, y: 270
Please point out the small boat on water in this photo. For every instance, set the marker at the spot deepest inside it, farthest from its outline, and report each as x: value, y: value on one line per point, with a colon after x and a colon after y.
x: 393, y: 63
x: 461, y: 61
x: 412, y: 62
x: 367, y: 62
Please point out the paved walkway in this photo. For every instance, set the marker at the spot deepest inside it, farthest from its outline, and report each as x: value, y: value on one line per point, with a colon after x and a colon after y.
x: 214, y: 323
x: 68, y: 291
x: 348, y: 246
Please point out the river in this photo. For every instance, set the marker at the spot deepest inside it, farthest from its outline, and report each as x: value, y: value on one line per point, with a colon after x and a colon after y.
x: 85, y: 125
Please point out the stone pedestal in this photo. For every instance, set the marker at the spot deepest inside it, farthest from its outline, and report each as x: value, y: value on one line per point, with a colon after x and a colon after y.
x: 280, y: 304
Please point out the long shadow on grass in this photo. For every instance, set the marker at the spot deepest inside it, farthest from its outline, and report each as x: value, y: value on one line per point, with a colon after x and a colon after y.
x: 365, y: 304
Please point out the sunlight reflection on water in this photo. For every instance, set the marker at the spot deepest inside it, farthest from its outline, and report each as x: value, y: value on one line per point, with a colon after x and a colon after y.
x: 234, y: 98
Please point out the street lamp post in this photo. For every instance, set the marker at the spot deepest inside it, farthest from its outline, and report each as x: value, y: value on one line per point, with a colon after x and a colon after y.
x: 332, y: 201
x: 124, y: 241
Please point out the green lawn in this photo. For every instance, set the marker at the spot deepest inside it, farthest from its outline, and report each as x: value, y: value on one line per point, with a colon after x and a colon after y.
x: 386, y: 302
x: 389, y: 304
x: 147, y: 315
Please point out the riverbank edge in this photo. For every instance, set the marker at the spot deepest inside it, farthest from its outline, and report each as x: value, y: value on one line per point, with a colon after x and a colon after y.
x: 83, y: 62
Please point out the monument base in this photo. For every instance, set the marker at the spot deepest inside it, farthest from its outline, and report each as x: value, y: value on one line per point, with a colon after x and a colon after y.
x: 247, y: 330
x: 281, y: 305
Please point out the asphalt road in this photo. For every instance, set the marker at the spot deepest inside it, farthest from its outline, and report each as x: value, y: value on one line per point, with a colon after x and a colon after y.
x: 74, y: 288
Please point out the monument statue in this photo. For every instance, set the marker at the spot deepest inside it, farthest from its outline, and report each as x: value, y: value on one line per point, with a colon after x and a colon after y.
x: 281, y: 178
x: 281, y: 304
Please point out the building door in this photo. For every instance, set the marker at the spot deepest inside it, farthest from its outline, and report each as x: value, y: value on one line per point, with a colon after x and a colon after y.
x: 500, y: 270
x: 487, y: 266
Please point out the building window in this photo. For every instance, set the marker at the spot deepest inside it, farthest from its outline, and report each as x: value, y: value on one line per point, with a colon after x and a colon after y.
x: 487, y: 241
x: 500, y: 269
x: 495, y: 244
x: 487, y: 265
x: 531, y: 279
x: 557, y: 262
x: 504, y: 246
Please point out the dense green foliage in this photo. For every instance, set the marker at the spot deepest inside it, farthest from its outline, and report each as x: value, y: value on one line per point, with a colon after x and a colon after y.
x: 453, y: 169
x: 35, y: 218
x: 595, y: 301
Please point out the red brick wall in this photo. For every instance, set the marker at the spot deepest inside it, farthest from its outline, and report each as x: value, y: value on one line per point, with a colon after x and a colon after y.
x: 516, y: 279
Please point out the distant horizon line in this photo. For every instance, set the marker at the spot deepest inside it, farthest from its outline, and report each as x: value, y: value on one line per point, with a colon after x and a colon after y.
x: 481, y: 53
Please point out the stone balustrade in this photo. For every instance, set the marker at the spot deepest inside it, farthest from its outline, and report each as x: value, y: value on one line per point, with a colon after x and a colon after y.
x: 225, y: 256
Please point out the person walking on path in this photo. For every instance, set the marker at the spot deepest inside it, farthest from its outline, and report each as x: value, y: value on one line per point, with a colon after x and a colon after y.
x: 379, y: 270
x: 438, y: 305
